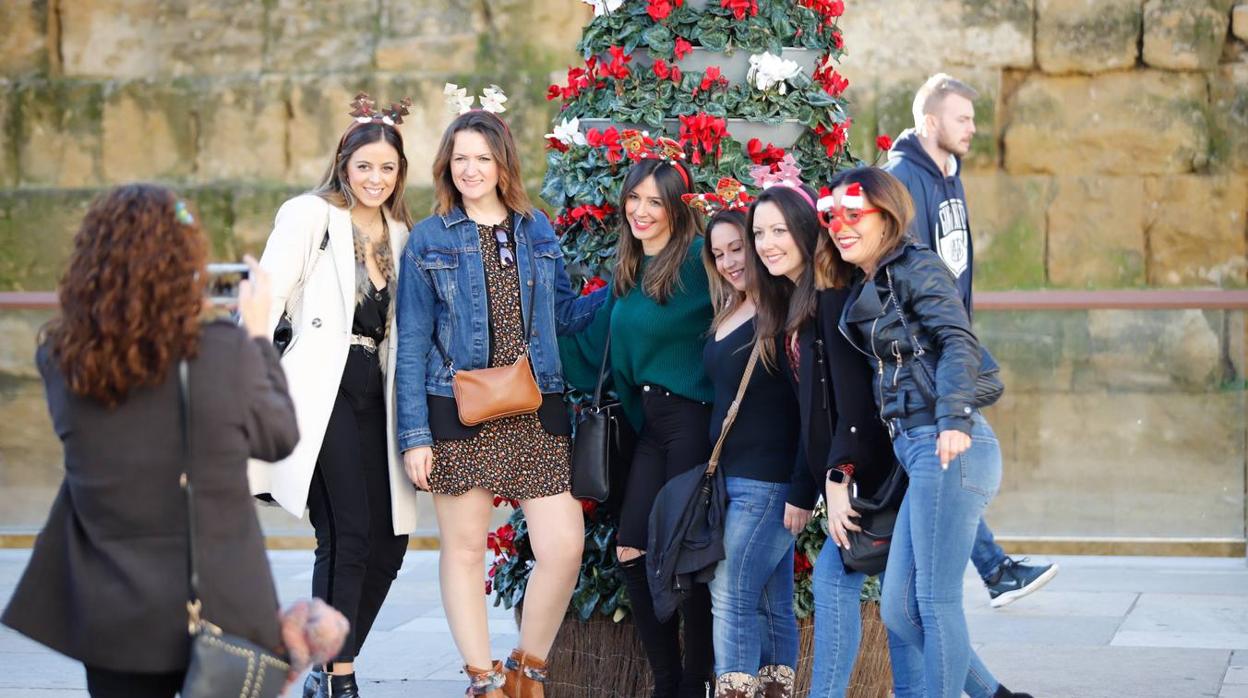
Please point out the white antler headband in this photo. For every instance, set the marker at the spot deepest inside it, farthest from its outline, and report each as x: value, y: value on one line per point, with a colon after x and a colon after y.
x: 460, y: 102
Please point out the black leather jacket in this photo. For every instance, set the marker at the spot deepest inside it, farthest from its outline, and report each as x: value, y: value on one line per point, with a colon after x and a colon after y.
x: 927, y: 361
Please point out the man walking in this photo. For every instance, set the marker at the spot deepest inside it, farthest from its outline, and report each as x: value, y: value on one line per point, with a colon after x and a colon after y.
x: 928, y: 160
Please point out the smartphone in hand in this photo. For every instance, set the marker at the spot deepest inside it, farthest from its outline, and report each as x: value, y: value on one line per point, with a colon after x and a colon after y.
x: 223, y: 281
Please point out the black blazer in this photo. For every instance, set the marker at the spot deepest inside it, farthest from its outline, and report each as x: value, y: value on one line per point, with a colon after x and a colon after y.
x: 839, y: 421
x: 107, y: 580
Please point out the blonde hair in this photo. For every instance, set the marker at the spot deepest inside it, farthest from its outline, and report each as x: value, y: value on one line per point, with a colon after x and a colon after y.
x: 932, y: 94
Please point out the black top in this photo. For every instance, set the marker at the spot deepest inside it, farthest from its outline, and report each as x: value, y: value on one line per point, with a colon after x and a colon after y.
x: 371, y: 312
x: 763, y: 442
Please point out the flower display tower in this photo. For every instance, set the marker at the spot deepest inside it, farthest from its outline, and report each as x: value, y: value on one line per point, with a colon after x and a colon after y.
x: 742, y: 84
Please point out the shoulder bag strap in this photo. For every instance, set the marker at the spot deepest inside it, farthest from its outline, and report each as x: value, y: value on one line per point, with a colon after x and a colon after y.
x: 602, y: 371
x: 731, y: 417
x: 892, y: 293
x: 297, y: 297
x: 193, y: 604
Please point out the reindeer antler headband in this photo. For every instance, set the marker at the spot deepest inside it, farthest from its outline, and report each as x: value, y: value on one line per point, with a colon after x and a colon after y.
x: 364, y: 110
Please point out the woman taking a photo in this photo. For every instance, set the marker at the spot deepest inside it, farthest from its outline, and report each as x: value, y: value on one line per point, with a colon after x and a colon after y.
x: 333, y: 257
x: 770, y: 493
x: 657, y: 319
x: 906, y: 317
x: 107, y: 581
x: 479, y: 272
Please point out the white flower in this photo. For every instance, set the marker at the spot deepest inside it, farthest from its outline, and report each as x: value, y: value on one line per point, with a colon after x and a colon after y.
x: 457, y: 98
x: 768, y: 70
x: 568, y: 132
x: 492, y: 99
x: 602, y: 7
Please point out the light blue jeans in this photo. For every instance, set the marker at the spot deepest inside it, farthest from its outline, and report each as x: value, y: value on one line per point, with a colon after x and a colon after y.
x: 986, y: 555
x: 752, y: 593
x: 922, y: 592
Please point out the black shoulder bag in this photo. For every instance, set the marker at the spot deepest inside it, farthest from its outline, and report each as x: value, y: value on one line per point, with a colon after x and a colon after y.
x: 284, y: 333
x: 603, y: 443
x: 221, y: 665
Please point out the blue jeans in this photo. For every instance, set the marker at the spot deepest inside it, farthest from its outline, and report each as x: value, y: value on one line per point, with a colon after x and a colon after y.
x: 986, y: 555
x: 922, y: 592
x: 752, y: 593
x: 838, y: 632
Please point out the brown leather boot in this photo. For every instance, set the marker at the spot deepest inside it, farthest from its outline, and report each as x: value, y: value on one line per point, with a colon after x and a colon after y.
x: 775, y: 681
x: 735, y: 684
x: 526, y: 676
x: 485, y: 682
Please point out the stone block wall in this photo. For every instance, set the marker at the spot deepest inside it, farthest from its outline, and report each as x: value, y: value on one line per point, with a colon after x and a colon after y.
x: 1113, y: 134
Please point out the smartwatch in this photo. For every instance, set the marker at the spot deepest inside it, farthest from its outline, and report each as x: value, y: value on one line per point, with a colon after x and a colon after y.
x: 839, y: 477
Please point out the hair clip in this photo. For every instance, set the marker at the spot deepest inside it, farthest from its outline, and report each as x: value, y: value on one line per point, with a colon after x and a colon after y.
x: 460, y: 102
x: 364, y: 110
x: 182, y: 214
x: 729, y: 195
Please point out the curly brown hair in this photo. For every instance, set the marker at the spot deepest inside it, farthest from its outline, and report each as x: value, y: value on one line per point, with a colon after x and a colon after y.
x: 132, y: 295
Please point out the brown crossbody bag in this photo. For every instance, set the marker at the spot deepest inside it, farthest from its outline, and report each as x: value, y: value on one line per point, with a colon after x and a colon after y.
x: 485, y: 394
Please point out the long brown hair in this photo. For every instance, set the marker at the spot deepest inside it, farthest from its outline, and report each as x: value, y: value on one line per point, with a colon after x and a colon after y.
x: 724, y: 298
x: 335, y: 187
x: 886, y: 193
x: 502, y: 147
x: 132, y: 295
x: 784, y: 306
x: 663, y: 276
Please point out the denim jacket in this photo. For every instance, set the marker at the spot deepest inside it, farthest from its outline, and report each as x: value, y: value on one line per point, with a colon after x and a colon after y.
x: 442, y: 289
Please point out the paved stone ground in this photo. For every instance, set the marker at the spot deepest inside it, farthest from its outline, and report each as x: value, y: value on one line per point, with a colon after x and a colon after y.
x: 1106, y: 626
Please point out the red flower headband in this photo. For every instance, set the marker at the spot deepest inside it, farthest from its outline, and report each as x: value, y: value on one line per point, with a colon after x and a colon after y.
x: 638, y: 146
x: 729, y: 195
x: 364, y: 110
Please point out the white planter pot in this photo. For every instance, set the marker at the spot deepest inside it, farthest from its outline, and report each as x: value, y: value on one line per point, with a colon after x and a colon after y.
x: 782, y: 135
x: 734, y: 67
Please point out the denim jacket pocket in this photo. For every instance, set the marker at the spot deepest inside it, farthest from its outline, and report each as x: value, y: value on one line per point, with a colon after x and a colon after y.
x: 442, y: 266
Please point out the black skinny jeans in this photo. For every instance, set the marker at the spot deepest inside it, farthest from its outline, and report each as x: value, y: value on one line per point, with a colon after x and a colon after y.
x: 673, y: 440
x: 357, y: 554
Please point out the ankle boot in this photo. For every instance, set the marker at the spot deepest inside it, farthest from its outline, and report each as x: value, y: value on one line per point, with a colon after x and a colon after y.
x: 485, y: 682
x: 340, y: 686
x: 526, y: 675
x: 1003, y: 692
x: 736, y: 684
x: 312, y: 684
x: 660, y: 641
x: 775, y: 681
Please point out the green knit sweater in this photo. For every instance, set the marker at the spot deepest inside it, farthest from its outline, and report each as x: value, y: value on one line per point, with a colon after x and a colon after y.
x: 650, y: 343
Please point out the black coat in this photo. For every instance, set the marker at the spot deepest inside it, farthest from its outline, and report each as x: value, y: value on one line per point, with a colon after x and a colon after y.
x: 938, y: 385
x: 686, y: 538
x: 107, y: 580
x: 839, y: 421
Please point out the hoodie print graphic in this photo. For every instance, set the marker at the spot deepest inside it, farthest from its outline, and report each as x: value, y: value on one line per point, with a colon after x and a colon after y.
x: 953, y: 235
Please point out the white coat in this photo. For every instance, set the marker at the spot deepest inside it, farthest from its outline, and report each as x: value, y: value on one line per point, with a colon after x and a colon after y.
x: 321, y: 318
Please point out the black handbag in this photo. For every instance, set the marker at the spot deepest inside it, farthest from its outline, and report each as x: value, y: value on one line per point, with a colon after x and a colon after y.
x: 284, y: 332
x: 221, y: 665
x: 868, y: 548
x: 603, y: 442
x: 988, y: 384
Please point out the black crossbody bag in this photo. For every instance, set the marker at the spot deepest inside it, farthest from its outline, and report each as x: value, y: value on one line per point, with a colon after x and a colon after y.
x: 603, y: 443
x: 221, y: 665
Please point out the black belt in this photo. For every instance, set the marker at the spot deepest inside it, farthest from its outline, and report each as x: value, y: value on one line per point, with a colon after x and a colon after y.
x: 926, y: 418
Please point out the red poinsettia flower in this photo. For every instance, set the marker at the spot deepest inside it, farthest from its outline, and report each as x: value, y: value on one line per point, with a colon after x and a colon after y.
x: 763, y: 155
x: 499, y: 499
x: 661, y: 69
x: 883, y: 144
x: 609, y: 139
x: 801, y: 564
x: 502, y: 541
x: 592, y: 284
x: 833, y: 138
x: 837, y: 40
x: 554, y: 92
x: 836, y: 8
x: 618, y: 66
x: 553, y: 143
x: 740, y: 8
x: 660, y: 9
x: 710, y: 79
x: 705, y: 133
x: 682, y: 48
